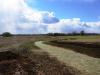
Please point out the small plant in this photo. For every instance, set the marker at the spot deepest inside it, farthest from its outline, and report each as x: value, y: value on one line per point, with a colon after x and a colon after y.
x: 6, y: 34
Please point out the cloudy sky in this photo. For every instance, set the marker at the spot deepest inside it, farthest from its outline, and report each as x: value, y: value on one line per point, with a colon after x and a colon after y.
x: 44, y: 16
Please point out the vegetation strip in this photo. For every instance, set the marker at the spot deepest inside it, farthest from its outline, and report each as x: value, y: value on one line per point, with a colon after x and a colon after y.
x: 90, y: 49
x: 27, y: 59
x: 86, y: 64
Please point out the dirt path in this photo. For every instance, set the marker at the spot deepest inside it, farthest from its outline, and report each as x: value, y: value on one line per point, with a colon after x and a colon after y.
x: 88, y: 65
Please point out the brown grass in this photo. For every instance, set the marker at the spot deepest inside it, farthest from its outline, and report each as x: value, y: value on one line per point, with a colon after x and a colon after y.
x: 27, y: 59
x: 89, y: 48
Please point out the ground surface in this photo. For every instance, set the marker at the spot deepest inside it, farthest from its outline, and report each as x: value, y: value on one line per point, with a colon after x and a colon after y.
x: 19, y: 56
x: 74, y: 55
x: 88, y: 65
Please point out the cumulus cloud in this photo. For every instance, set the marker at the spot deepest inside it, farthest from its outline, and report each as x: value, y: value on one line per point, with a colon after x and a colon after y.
x: 17, y: 17
x: 74, y: 25
x: 16, y: 14
x: 66, y: 25
x: 49, y: 18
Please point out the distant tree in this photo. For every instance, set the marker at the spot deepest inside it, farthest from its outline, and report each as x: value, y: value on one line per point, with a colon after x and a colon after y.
x: 74, y: 33
x: 50, y: 34
x: 82, y: 32
x: 56, y: 34
x: 6, y: 34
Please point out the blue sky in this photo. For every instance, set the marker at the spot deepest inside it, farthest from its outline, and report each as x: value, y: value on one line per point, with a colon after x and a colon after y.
x: 44, y: 16
x: 87, y: 10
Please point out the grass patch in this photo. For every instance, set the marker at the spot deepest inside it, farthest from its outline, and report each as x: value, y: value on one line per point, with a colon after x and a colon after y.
x: 7, y: 55
x: 1, y: 46
x: 32, y: 61
x: 90, y: 49
x: 47, y: 65
x: 24, y: 49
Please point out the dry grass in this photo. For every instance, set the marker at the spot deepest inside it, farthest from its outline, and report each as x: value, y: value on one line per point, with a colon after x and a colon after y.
x: 88, y: 48
x: 27, y: 59
x: 42, y: 63
x: 24, y: 58
x: 86, y: 64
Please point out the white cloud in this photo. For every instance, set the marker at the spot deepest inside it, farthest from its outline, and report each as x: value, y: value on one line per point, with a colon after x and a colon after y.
x: 65, y: 25
x: 74, y: 25
x: 17, y: 17
x: 9, y: 14
x: 16, y: 14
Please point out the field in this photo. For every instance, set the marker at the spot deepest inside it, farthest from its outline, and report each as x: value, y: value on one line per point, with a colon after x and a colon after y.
x: 82, y: 52
x: 88, y: 45
x: 50, y: 55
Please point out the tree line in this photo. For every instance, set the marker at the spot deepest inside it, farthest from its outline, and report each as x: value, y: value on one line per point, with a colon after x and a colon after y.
x: 8, y: 34
x: 71, y: 34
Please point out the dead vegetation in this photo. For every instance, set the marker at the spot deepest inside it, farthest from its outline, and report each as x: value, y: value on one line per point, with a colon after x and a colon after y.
x: 88, y: 48
x: 27, y: 59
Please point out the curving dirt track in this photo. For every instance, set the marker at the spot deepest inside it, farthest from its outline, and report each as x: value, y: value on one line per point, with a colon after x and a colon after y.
x: 88, y: 65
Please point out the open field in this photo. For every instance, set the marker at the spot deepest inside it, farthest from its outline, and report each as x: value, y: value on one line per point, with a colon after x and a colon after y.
x: 19, y: 56
x: 88, y: 45
x: 88, y: 48
x: 85, y: 53
x: 24, y: 55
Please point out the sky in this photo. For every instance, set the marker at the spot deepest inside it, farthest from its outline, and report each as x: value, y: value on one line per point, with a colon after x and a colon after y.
x: 49, y: 16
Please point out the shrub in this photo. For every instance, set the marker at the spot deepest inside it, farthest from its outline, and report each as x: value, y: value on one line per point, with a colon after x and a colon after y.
x: 6, y: 34
x: 82, y: 33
